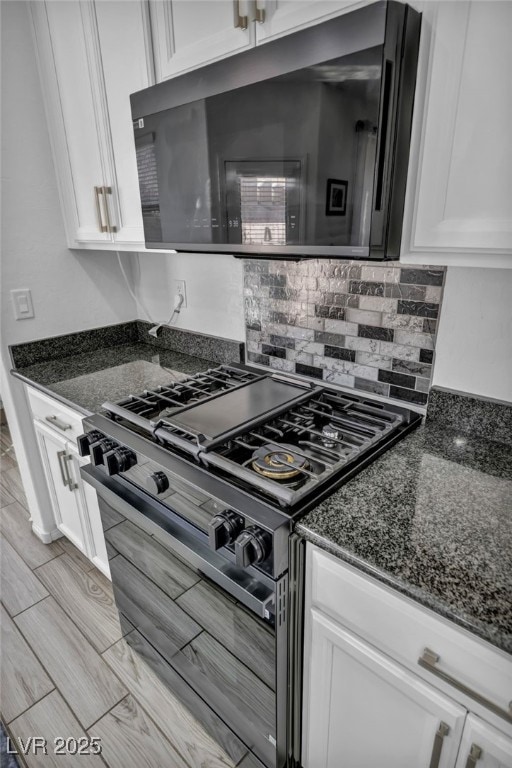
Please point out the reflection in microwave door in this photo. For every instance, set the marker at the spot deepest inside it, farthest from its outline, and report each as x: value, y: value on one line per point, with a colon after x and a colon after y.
x: 336, y: 199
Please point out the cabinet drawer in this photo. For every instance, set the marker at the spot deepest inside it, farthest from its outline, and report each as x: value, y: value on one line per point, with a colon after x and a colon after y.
x: 63, y: 420
x: 468, y: 669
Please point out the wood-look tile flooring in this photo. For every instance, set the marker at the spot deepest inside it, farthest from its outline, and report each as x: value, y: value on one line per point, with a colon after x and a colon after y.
x: 66, y: 670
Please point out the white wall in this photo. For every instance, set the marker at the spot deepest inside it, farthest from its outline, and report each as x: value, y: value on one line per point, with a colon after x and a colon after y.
x: 474, y: 342
x: 214, y: 286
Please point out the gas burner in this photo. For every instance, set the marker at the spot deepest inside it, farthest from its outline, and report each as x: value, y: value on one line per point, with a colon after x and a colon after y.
x: 278, y: 462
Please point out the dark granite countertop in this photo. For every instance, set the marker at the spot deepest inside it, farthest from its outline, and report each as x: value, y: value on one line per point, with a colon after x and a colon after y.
x: 86, y: 369
x: 432, y: 518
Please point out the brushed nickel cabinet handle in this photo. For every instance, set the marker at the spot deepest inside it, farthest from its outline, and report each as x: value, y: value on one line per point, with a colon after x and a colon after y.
x: 71, y: 484
x: 56, y: 422
x: 441, y: 732
x: 63, y: 472
x: 108, y: 191
x: 259, y: 13
x: 240, y: 22
x: 475, y: 753
x: 97, y: 192
x: 429, y: 659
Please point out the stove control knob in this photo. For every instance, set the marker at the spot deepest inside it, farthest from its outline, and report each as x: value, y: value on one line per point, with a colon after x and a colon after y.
x: 85, y: 441
x: 119, y: 460
x: 99, y: 449
x: 252, y: 546
x: 224, y: 528
x: 157, y: 482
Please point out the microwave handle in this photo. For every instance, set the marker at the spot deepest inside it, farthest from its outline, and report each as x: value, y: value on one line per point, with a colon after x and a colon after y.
x: 384, y: 130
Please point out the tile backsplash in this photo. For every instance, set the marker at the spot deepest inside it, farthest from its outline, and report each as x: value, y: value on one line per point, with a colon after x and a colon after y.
x: 362, y: 325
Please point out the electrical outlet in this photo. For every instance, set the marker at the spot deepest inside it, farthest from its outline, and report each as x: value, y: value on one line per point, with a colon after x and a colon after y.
x: 22, y: 303
x: 181, y: 290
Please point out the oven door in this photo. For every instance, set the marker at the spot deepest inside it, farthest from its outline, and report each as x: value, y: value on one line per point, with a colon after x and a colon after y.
x: 196, y: 619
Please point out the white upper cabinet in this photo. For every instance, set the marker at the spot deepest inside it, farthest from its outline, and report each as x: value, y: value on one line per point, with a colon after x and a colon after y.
x: 187, y: 34
x: 92, y: 56
x: 280, y: 17
x: 459, y: 194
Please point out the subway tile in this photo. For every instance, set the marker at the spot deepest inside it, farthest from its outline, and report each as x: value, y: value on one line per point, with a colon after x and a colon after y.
x: 433, y: 293
x: 407, y: 322
x: 377, y: 304
x: 255, y: 325
x: 381, y: 274
x: 340, y: 326
x: 339, y: 353
x: 399, y: 379
x: 429, y: 326
x: 404, y: 291
x: 282, y: 341
x: 279, y: 364
x: 377, y: 361
x: 366, y: 288
x: 301, y: 282
x: 363, y: 316
x: 399, y: 350
x: 253, y: 357
x: 422, y: 276
x: 422, y: 385
x: 298, y: 333
x: 342, y: 379
x: 426, y: 356
x: 372, y: 332
x: 363, y: 345
x: 409, y: 395
x: 271, y: 280
x: 377, y: 387
x: 314, y: 323
x: 414, y: 339
x: 256, y: 266
x: 308, y: 370
x: 345, y: 366
x: 309, y: 347
x: 411, y: 367
x: 268, y: 349
x: 253, y: 346
x: 283, y: 293
x: 420, y: 308
x: 331, y: 312
x: 299, y: 357
x: 335, y: 339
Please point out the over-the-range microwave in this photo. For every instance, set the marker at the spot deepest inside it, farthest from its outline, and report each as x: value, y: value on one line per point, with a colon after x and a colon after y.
x: 296, y: 148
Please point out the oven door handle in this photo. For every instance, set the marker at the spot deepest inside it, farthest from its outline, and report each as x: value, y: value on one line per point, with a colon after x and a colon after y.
x: 171, y: 531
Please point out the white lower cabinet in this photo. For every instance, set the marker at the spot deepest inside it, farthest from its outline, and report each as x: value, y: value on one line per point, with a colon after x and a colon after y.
x: 365, y: 710
x: 74, y: 503
x: 483, y: 746
x: 376, y: 694
x: 61, y: 479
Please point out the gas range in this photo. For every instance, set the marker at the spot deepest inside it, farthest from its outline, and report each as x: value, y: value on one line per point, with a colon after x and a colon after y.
x: 241, y: 454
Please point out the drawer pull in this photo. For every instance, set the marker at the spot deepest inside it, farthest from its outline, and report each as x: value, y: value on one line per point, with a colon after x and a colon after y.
x: 241, y: 22
x: 429, y: 659
x: 101, y: 226
x: 475, y: 753
x: 56, y: 422
x: 441, y: 732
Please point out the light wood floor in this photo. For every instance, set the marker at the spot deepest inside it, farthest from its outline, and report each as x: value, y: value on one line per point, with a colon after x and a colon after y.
x: 66, y: 670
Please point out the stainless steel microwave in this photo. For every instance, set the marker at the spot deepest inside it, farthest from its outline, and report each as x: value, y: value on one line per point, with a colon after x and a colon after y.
x: 296, y: 148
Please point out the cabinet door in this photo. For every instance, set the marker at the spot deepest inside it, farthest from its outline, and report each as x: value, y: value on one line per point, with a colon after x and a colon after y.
x: 285, y: 16
x: 72, y: 117
x: 459, y: 193
x: 124, y: 36
x: 88, y: 501
x: 483, y: 746
x: 188, y: 34
x: 61, y: 485
x: 361, y: 709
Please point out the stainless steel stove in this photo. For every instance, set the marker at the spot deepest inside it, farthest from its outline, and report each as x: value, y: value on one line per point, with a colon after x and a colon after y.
x: 209, y: 474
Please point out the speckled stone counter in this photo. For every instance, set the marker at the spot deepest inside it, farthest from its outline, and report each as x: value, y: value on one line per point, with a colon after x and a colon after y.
x: 432, y: 518
x: 86, y: 369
